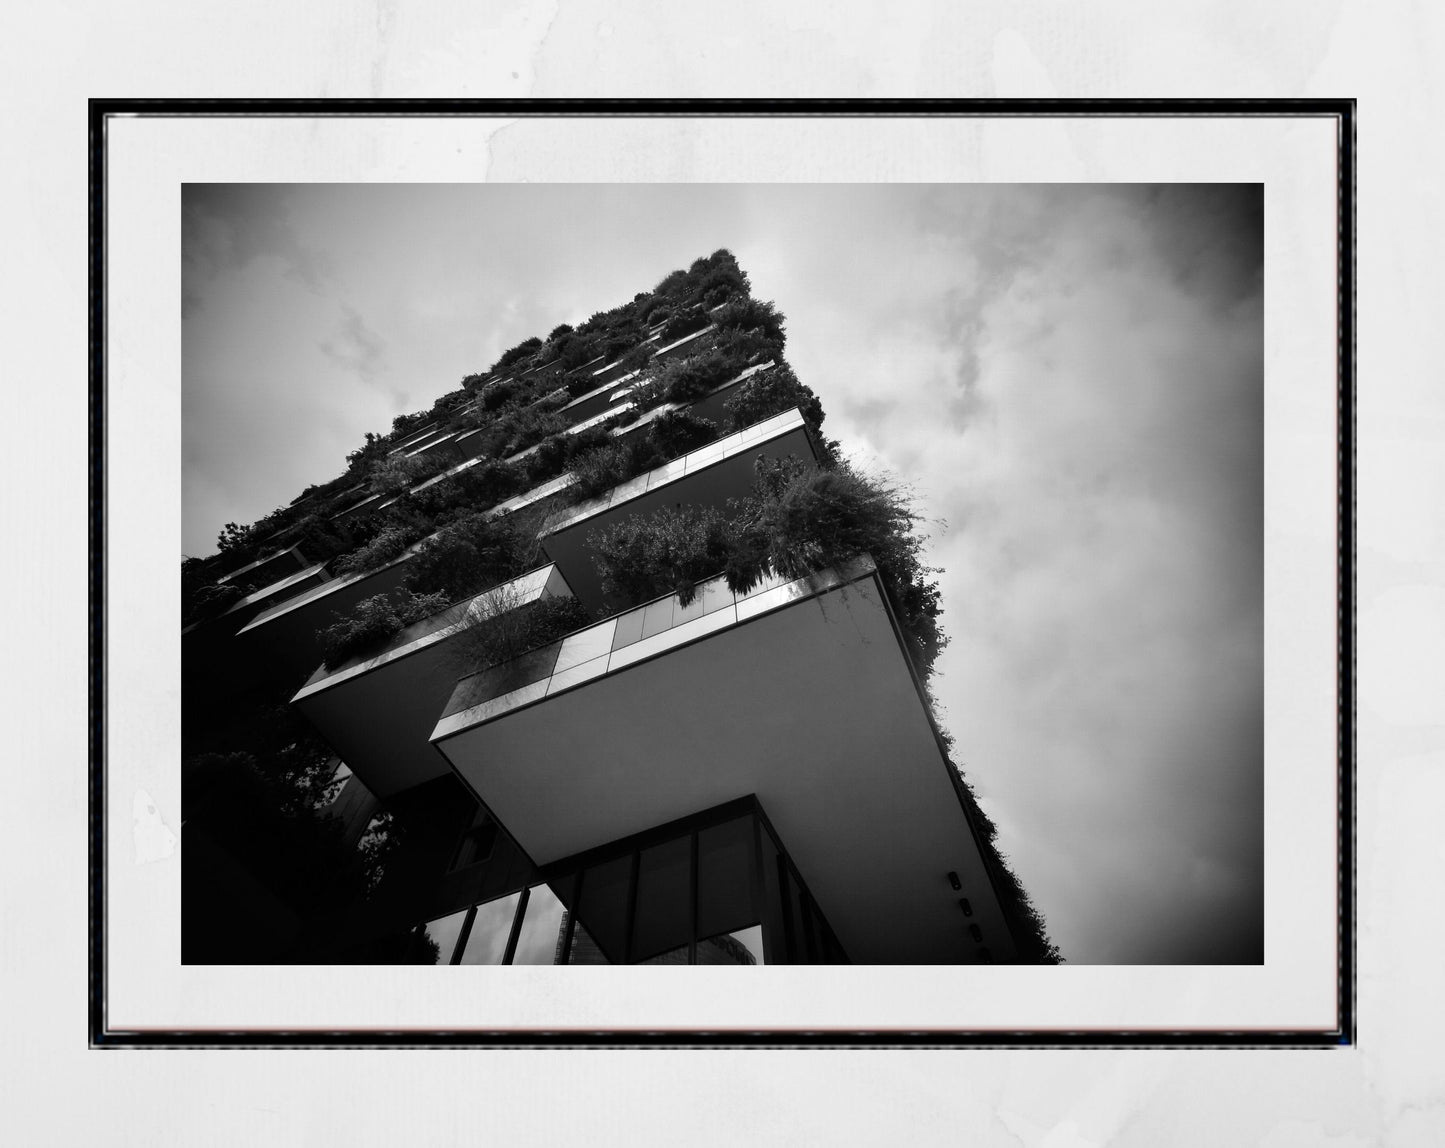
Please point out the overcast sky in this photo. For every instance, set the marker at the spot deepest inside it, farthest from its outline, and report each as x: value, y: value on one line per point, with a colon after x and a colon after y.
x: 1071, y: 378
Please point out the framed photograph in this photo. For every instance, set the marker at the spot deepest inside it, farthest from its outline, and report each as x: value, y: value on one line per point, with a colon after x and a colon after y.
x: 892, y: 557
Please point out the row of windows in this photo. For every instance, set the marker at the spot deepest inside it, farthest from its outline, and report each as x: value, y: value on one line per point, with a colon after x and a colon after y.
x: 701, y: 891
x: 519, y: 929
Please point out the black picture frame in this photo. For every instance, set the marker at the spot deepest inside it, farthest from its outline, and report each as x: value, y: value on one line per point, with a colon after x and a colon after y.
x: 101, y: 112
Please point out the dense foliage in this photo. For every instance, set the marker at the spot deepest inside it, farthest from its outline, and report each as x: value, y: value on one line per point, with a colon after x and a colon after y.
x: 613, y: 461
x: 469, y: 555
x: 769, y: 393
x: 798, y: 519
x: 387, y: 545
x: 510, y: 629
x: 374, y: 622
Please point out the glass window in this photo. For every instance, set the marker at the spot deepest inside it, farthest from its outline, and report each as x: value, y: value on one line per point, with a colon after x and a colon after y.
x: 541, y: 929
x: 603, y: 910
x: 585, y: 951
x: 664, y: 910
x: 724, y: 878
x: 715, y: 595
x: 677, y: 956
x: 334, y: 784
x: 442, y: 935
x: 811, y: 948
x: 793, y: 932
x: 657, y: 616
x: 487, y: 941
x: 477, y: 843
x: 743, y: 947
x: 629, y: 629
x: 752, y: 940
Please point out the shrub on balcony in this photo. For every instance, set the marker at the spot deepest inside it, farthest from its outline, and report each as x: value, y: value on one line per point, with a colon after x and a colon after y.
x: 577, y: 349
x: 686, y: 380
x: 399, y: 472
x: 620, y: 342
x: 489, y: 482
x: 669, y: 551
x: 390, y: 540
x: 603, y: 467
x: 798, y: 519
x: 496, y: 394
x: 468, y: 555
x: 374, y: 622
x: 769, y: 393
x: 674, y: 433
x: 748, y: 314
x: 372, y: 450
x: 803, y: 519
x: 403, y: 425
x: 207, y: 601
x: 719, y: 284
x: 671, y: 283
x: 747, y: 346
x: 682, y: 323
x: 319, y: 540
x: 510, y: 628
x: 638, y: 357
x: 527, y: 427
x: 520, y: 351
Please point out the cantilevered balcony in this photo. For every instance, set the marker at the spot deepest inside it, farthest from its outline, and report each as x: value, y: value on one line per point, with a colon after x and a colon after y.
x: 708, y: 476
x: 609, y: 378
x: 377, y: 711
x: 442, y: 442
x: 362, y: 506
x: 271, y: 568
x: 800, y: 693
x: 413, y: 437
x: 287, y: 632
x: 286, y: 586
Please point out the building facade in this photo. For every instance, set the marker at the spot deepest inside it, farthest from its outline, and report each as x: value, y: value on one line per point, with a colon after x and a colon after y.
x: 606, y: 658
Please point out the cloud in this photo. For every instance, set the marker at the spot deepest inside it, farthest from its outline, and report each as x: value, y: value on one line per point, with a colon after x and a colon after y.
x: 355, y: 346
x: 226, y: 227
x: 1105, y: 592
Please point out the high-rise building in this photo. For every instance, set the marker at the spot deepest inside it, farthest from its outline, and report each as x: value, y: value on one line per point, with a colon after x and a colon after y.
x: 606, y: 657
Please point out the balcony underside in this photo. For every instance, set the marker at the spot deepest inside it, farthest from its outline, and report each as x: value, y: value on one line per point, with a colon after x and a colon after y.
x: 804, y: 699
x: 272, y: 568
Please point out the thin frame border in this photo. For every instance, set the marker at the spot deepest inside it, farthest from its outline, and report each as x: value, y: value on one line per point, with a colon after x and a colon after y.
x: 100, y: 1035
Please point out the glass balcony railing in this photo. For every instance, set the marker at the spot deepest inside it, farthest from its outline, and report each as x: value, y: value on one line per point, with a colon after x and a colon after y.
x: 542, y: 582
x: 627, y: 638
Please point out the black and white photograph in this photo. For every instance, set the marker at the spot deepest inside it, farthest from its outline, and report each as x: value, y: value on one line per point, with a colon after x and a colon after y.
x: 722, y: 574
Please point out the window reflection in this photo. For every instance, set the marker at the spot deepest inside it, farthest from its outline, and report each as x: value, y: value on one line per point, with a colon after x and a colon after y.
x: 442, y: 933
x: 724, y: 877
x: 716, y: 888
x: 585, y: 950
x: 743, y: 947
x: 604, y: 906
x: 541, y: 929
x: 487, y: 941
x: 663, y: 913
